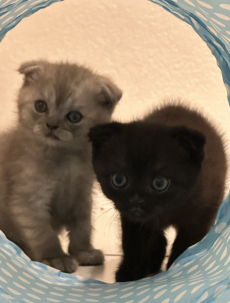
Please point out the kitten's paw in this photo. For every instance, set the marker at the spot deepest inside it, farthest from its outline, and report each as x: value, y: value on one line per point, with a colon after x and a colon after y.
x: 126, y: 274
x: 90, y: 257
x: 154, y: 273
x: 64, y: 263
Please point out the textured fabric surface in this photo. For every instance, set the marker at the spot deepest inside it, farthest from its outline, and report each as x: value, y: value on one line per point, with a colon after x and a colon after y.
x: 210, y: 19
x: 13, y: 11
x: 202, y: 273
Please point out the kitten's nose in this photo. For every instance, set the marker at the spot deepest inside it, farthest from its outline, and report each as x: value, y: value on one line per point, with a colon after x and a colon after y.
x: 52, y: 122
x: 137, y: 201
x: 51, y: 126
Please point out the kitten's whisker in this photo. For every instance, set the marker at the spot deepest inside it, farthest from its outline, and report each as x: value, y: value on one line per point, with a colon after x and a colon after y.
x: 105, y: 212
x: 107, y: 203
x: 112, y: 221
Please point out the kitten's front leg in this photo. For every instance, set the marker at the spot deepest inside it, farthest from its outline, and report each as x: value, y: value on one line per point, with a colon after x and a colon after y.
x: 189, y: 233
x: 80, y: 245
x: 143, y: 251
x: 80, y: 234
x: 41, y: 240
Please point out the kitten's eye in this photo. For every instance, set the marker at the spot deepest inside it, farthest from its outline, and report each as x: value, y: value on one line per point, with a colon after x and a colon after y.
x: 40, y: 106
x: 74, y: 116
x: 160, y: 184
x: 119, y: 180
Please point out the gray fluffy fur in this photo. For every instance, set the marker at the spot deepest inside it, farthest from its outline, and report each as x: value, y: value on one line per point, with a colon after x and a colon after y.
x: 45, y: 183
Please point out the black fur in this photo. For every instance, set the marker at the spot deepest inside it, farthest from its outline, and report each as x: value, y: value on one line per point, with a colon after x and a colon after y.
x: 143, y: 151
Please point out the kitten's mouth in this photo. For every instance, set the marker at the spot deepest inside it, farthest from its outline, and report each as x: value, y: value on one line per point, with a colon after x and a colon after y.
x: 52, y: 136
x: 136, y: 212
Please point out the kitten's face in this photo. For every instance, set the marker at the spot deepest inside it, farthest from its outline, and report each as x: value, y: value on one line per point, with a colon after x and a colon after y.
x: 146, y: 170
x: 60, y: 102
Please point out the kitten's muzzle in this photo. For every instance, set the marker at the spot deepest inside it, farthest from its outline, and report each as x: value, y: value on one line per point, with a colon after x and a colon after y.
x: 136, y: 210
x: 136, y: 201
x: 52, y: 136
x: 52, y: 126
x: 136, y: 213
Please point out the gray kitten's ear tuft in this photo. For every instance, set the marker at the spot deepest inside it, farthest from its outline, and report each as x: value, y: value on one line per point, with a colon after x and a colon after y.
x: 31, y: 70
x: 99, y: 134
x: 110, y: 94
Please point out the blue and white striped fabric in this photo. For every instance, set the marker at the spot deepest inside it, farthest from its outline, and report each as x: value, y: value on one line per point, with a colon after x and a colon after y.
x: 211, y: 20
x: 202, y: 273
x: 13, y: 11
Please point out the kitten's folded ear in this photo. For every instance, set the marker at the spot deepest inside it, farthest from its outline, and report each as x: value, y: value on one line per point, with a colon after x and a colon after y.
x: 110, y: 94
x: 192, y: 141
x: 99, y: 134
x: 31, y: 70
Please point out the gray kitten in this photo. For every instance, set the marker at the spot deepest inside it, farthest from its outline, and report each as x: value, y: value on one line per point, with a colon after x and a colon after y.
x: 46, y: 174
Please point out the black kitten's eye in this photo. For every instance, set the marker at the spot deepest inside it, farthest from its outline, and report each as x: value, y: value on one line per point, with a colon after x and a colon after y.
x: 119, y: 180
x: 40, y: 106
x: 74, y: 116
x: 160, y: 184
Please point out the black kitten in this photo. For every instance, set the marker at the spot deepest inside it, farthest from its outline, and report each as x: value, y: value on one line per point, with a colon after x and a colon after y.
x: 167, y: 169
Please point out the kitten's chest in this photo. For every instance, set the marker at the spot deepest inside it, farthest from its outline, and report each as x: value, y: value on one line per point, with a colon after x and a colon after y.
x: 73, y: 183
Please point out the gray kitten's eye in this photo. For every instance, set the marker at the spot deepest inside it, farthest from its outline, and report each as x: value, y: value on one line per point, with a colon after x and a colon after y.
x: 118, y: 180
x: 160, y: 184
x: 40, y: 106
x: 74, y: 116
